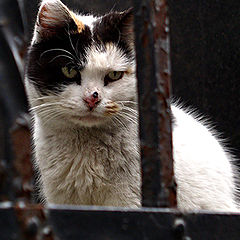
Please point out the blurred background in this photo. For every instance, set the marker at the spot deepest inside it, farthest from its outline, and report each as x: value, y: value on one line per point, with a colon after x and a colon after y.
x: 205, y: 53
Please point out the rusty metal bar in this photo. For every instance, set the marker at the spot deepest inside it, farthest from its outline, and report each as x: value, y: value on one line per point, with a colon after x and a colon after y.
x: 32, y: 222
x: 23, y: 174
x: 153, y: 72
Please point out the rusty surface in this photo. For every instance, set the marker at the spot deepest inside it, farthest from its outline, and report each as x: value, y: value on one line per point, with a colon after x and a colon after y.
x: 23, y: 179
x: 153, y: 72
x: 32, y: 221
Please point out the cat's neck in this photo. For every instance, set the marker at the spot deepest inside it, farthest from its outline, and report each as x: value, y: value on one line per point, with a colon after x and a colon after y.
x: 109, y: 129
x: 64, y: 144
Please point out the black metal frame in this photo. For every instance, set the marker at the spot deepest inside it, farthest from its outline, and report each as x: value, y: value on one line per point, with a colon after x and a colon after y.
x: 74, y: 223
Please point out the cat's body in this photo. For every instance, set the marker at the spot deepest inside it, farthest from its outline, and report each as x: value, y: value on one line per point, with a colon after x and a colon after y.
x: 89, y: 166
x: 85, y: 119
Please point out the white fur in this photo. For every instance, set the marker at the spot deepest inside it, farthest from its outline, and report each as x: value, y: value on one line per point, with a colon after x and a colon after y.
x: 203, y: 170
x: 87, y: 19
x: 98, y: 163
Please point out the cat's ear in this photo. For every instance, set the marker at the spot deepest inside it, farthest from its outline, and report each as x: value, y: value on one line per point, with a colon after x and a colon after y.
x: 127, y: 23
x: 53, y: 16
x: 115, y: 26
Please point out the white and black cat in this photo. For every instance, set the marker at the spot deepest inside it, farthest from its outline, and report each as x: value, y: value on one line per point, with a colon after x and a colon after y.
x: 81, y: 85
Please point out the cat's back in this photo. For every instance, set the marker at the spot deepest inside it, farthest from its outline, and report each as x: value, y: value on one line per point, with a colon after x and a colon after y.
x: 204, y: 170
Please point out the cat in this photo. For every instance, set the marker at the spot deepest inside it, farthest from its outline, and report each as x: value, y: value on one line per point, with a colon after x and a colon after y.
x: 81, y: 85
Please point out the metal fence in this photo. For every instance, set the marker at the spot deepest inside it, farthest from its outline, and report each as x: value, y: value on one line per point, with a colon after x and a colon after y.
x: 20, y: 215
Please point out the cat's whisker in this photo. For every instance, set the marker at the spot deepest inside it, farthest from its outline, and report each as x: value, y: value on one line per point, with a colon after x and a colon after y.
x: 71, y: 43
x: 117, y: 122
x: 57, y: 49
x: 125, y: 101
x: 44, y: 98
x: 49, y: 119
x: 130, y: 114
x: 43, y: 105
x: 35, y: 80
x: 129, y: 106
x: 119, y: 36
x: 45, y: 113
x: 115, y: 118
x: 48, y: 116
x: 127, y: 117
x: 131, y: 110
x: 58, y: 56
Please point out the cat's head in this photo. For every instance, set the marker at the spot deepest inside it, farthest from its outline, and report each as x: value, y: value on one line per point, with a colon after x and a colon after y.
x: 81, y: 69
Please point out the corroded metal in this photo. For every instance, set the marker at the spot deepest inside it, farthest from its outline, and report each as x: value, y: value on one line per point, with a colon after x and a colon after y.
x: 22, y: 165
x: 32, y: 222
x: 153, y: 72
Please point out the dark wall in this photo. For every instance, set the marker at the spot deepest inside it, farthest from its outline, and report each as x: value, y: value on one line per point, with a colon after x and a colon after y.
x: 205, y: 49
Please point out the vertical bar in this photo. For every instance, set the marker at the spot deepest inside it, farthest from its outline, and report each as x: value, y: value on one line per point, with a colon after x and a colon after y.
x: 153, y: 72
x: 23, y: 177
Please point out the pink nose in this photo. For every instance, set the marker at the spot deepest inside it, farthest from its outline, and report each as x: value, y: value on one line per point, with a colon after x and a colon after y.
x: 92, y: 100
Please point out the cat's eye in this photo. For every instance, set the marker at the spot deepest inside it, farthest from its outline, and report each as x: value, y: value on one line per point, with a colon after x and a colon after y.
x: 69, y: 72
x: 113, y: 76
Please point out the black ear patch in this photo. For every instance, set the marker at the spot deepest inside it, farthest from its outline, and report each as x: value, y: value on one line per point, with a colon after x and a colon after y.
x: 116, y: 27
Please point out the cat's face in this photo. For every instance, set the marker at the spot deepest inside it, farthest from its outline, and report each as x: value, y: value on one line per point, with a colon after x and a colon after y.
x: 81, y: 69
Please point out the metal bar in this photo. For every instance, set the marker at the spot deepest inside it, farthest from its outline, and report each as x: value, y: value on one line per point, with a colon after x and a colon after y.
x: 23, y: 174
x: 32, y: 222
x: 153, y: 72
x: 12, y: 97
x: 12, y: 30
x: 71, y: 222
x: 144, y: 224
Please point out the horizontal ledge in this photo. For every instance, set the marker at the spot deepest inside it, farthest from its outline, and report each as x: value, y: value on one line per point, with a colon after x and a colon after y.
x: 83, y: 208
x: 93, y: 222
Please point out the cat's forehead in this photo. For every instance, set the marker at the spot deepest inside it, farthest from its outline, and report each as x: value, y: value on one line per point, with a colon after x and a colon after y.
x: 111, y: 58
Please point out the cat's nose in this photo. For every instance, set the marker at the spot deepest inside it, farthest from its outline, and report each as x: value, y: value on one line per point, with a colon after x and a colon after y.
x: 92, y: 100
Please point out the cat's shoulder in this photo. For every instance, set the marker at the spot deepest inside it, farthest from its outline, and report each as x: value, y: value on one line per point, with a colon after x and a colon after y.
x: 190, y: 118
x: 198, y: 134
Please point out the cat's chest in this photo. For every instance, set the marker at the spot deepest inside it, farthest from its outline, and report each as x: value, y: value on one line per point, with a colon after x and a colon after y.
x: 85, y: 164
x: 84, y: 152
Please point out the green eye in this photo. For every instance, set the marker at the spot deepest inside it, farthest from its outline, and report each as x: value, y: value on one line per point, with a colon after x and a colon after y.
x: 113, y: 76
x: 69, y: 72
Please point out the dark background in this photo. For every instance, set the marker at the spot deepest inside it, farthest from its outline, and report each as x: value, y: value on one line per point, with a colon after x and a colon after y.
x: 205, y: 51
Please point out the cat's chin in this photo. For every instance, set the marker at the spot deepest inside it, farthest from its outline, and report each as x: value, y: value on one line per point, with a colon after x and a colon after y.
x: 89, y: 120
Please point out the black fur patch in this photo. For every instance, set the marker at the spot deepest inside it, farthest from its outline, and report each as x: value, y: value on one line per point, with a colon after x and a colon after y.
x: 44, y: 64
x: 116, y: 28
